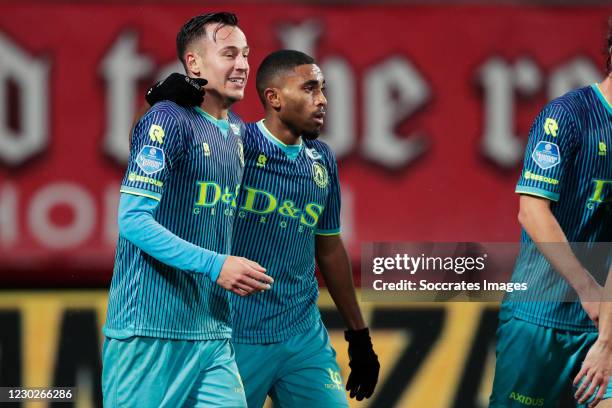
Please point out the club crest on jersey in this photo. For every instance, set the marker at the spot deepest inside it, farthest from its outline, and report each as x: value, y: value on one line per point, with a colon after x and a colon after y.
x: 156, y: 133
x: 240, y: 152
x: 151, y: 159
x: 319, y: 175
x: 235, y: 128
x: 546, y: 155
x: 603, y: 149
x: 313, y: 154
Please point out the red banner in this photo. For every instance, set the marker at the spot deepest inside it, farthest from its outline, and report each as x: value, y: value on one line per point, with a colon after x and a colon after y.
x: 429, y: 108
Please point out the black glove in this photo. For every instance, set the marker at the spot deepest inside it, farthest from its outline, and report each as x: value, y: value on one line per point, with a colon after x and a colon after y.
x: 179, y: 89
x: 364, y: 364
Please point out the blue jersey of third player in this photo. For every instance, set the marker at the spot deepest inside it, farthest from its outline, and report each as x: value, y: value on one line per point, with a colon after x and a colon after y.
x: 567, y: 161
x: 289, y: 195
x: 193, y: 165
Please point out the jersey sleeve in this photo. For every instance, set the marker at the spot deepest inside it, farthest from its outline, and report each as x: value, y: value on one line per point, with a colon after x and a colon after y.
x: 156, y: 148
x: 138, y: 225
x: 550, y: 149
x: 329, y: 223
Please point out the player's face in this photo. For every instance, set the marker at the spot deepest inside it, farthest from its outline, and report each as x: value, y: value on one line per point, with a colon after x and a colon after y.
x: 223, y: 61
x: 303, y: 102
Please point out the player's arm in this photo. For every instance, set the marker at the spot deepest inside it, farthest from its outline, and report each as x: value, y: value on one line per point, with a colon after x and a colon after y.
x: 138, y: 225
x: 539, y: 222
x: 551, y: 148
x: 335, y: 268
x: 333, y: 262
x: 597, y: 366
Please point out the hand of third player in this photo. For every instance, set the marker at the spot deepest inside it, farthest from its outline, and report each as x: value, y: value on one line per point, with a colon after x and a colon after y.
x: 243, y: 276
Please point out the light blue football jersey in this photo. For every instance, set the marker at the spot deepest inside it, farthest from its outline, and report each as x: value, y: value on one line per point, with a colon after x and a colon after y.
x: 289, y: 195
x: 567, y: 161
x: 193, y: 164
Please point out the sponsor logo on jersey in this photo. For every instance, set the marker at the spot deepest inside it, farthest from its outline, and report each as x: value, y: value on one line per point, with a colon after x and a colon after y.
x: 603, y: 149
x: 602, y: 191
x: 156, y: 133
x: 532, y: 176
x: 319, y: 175
x: 133, y: 177
x: 546, y: 155
x: 263, y: 203
x: 551, y: 127
x: 313, y: 154
x: 151, y: 159
x: 210, y: 194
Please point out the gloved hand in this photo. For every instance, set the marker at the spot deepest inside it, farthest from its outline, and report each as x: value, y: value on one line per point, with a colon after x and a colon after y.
x: 363, y: 362
x: 178, y: 88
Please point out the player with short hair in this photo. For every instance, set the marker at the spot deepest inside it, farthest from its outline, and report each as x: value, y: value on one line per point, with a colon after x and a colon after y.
x: 566, y: 197
x: 288, y: 214
x: 168, y: 321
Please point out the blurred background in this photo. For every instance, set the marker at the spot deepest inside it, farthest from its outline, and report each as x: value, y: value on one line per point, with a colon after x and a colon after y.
x: 429, y: 108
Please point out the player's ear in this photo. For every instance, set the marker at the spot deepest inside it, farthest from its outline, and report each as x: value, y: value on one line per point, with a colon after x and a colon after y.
x: 192, y: 61
x: 272, y: 97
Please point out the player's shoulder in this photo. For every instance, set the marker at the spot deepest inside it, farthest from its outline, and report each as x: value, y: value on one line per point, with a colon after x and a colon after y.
x: 236, y: 124
x: 251, y: 127
x: 169, y: 113
x: 235, y: 120
x: 319, y: 149
x: 572, y: 105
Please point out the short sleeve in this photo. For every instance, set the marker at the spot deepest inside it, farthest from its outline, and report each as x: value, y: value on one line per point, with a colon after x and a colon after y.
x: 550, y: 149
x: 329, y: 224
x: 157, y: 148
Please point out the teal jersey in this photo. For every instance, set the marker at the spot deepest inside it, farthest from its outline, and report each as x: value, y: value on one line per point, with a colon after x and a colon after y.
x: 193, y: 165
x: 289, y: 195
x: 567, y: 161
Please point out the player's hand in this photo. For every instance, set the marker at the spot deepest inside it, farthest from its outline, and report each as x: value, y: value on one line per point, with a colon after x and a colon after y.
x: 178, y: 88
x: 594, y: 374
x: 243, y: 276
x: 364, y: 364
x: 590, y: 299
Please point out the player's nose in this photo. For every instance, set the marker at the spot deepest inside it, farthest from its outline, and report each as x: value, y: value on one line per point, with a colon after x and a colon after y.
x: 242, y: 63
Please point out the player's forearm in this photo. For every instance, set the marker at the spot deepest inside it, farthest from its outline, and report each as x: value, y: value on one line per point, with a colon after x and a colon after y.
x: 605, y: 314
x: 335, y: 268
x: 137, y: 225
x: 543, y: 228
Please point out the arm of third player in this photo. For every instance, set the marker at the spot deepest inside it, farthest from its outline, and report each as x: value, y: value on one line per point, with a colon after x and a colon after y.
x: 537, y: 219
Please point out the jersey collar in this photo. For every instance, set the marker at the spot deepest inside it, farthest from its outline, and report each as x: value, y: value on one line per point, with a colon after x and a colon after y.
x: 602, y: 98
x: 221, y: 124
x: 292, y: 151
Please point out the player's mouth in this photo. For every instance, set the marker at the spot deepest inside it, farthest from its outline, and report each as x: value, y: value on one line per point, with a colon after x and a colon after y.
x: 238, y: 81
x: 319, y: 117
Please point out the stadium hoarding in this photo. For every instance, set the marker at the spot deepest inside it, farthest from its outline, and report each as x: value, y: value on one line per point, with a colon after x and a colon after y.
x: 431, y: 354
x: 428, y: 113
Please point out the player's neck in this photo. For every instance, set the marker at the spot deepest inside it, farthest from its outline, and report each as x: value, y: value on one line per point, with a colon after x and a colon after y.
x: 281, y: 131
x: 214, y: 107
x: 606, y: 88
